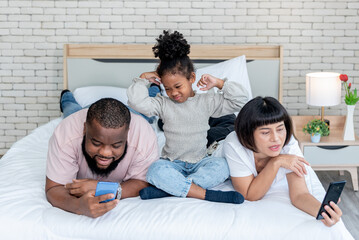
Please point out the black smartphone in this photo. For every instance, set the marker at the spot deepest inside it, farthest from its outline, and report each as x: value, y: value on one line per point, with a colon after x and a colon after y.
x: 332, y: 195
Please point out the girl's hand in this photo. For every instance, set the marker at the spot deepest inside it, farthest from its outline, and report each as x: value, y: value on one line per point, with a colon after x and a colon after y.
x: 292, y: 162
x: 152, y: 77
x: 208, y: 81
x: 335, y: 214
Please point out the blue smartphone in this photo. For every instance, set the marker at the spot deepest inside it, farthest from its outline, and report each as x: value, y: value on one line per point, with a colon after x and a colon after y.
x: 105, y: 188
x: 332, y: 195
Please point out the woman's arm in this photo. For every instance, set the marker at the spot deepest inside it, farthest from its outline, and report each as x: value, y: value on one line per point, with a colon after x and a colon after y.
x: 254, y: 188
x: 302, y: 199
x: 299, y: 195
x: 241, y: 164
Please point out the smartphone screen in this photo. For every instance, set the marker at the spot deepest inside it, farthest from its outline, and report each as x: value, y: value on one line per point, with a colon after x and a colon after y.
x: 332, y: 195
x: 105, y: 188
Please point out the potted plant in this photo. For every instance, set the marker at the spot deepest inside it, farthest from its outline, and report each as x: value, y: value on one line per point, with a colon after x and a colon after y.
x: 316, y: 128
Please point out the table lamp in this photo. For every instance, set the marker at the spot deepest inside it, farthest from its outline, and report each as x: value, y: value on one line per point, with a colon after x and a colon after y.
x: 323, y: 89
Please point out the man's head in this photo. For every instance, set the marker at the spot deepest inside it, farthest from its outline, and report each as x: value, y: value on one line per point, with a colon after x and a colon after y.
x: 105, y: 135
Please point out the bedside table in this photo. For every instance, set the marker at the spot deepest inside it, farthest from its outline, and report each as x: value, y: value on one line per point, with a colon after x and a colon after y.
x: 332, y: 152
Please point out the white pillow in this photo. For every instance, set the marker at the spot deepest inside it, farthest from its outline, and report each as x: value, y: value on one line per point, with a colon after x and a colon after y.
x: 234, y: 69
x: 85, y: 96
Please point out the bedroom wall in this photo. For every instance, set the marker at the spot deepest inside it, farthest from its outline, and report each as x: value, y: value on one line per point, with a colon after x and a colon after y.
x: 316, y: 35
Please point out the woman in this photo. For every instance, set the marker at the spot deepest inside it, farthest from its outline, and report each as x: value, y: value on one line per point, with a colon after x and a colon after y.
x: 262, y: 151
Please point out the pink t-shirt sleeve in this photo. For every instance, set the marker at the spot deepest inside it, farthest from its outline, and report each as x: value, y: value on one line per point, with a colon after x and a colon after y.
x: 65, y: 148
x: 139, y: 167
x: 62, y: 165
x: 144, y: 140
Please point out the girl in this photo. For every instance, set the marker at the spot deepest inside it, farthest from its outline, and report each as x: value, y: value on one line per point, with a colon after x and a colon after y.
x: 184, y: 170
x: 262, y: 151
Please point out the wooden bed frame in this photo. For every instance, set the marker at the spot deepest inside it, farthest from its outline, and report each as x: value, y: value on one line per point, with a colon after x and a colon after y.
x: 198, y: 52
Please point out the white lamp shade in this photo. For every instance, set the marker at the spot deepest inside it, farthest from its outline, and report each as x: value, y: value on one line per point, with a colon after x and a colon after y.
x: 323, y: 89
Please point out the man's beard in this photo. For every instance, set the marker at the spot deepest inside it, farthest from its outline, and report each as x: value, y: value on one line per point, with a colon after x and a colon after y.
x: 91, y: 162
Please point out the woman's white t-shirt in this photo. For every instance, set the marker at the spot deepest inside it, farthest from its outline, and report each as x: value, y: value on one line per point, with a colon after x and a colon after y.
x: 241, y: 160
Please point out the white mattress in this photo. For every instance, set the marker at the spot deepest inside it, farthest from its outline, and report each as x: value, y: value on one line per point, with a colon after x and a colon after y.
x: 26, y: 214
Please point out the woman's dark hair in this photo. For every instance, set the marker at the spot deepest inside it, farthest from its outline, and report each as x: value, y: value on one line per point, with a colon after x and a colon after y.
x: 259, y: 112
x: 172, y: 50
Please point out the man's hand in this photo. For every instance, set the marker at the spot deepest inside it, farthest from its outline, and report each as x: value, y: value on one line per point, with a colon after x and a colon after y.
x: 81, y: 186
x: 87, y: 204
x: 90, y: 206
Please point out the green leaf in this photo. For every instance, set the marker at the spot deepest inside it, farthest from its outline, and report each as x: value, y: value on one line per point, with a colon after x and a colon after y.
x: 316, y: 126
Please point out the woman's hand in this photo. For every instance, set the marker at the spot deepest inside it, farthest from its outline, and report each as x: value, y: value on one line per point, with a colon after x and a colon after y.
x: 208, y: 81
x: 152, y: 77
x: 292, y: 162
x: 335, y: 214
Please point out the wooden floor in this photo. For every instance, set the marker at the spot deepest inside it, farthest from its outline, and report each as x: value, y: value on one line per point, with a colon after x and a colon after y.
x: 349, y: 199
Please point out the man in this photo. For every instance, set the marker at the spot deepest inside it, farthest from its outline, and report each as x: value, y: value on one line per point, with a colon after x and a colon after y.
x: 104, y: 143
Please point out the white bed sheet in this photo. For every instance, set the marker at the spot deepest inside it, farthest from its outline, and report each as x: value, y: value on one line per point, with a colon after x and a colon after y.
x: 26, y: 214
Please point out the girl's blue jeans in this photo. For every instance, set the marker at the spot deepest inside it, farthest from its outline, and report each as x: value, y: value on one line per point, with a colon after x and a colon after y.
x: 69, y: 104
x: 175, y: 177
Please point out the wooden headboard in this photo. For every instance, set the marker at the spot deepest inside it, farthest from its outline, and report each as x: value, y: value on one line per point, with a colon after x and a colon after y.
x: 264, y: 63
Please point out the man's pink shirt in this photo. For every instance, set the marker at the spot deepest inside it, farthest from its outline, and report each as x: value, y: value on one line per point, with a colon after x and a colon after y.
x: 65, y: 159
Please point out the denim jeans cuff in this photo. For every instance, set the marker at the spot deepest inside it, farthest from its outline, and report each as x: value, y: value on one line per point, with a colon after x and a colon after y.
x: 185, y: 190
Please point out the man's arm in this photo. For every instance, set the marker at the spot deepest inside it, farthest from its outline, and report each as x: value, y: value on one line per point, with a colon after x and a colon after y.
x: 87, y: 204
x: 79, y: 187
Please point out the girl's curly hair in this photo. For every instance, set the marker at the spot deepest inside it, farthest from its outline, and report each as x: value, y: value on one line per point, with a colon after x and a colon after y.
x: 172, y: 50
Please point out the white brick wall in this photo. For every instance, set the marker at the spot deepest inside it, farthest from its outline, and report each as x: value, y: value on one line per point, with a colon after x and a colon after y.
x: 316, y: 35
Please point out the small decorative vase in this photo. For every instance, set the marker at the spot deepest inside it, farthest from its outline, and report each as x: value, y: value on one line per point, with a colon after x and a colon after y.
x: 315, y: 138
x: 349, y: 134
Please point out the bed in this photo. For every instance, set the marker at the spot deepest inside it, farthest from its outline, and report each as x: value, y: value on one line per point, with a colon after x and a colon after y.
x: 93, y: 71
